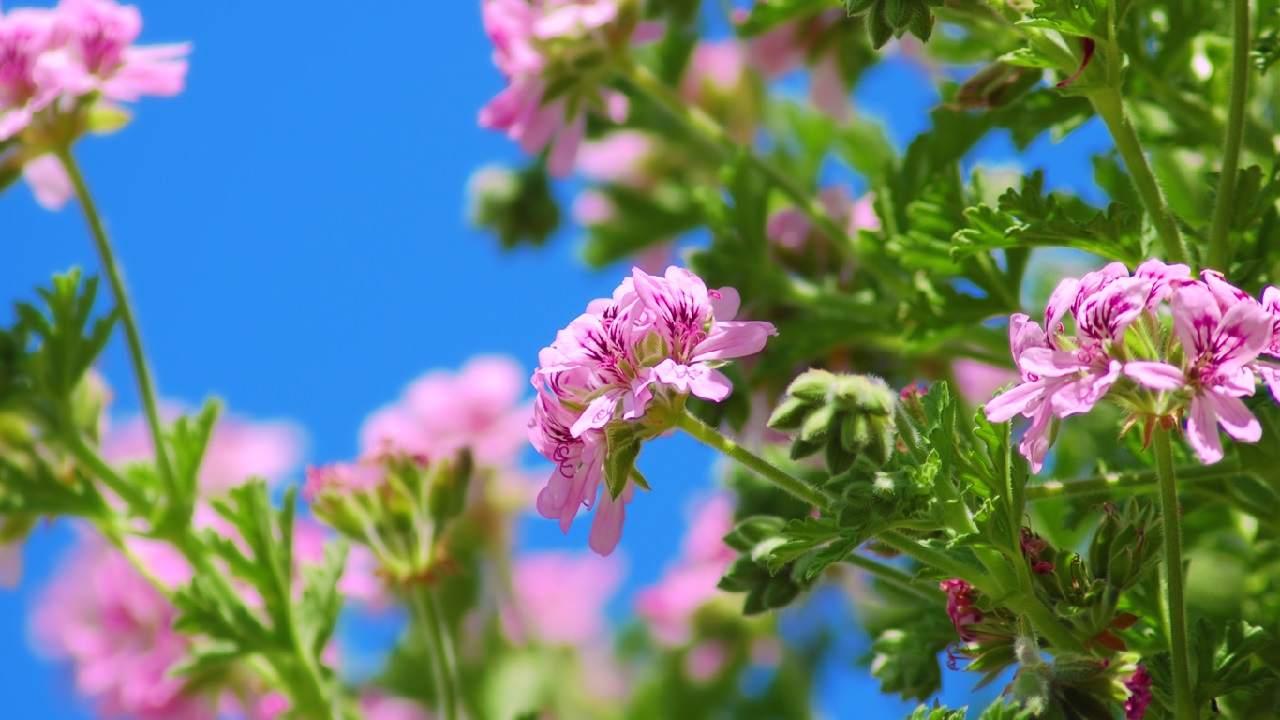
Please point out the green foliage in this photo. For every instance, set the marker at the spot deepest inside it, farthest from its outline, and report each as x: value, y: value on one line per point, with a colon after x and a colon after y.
x: 894, y: 18
x: 516, y: 205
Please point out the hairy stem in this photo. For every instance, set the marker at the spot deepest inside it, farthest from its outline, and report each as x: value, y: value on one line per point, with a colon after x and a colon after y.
x: 444, y: 673
x: 1225, y: 205
x: 712, y: 438
x: 141, y: 370
x: 1130, y: 480
x: 1110, y: 107
x: 1171, y: 578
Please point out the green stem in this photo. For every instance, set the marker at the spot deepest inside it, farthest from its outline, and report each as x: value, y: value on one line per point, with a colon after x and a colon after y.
x: 1224, y: 207
x: 896, y: 578
x: 1042, y: 618
x: 1171, y: 579
x: 712, y: 438
x: 102, y: 470
x: 1130, y: 480
x: 1110, y: 107
x: 439, y: 646
x: 141, y: 371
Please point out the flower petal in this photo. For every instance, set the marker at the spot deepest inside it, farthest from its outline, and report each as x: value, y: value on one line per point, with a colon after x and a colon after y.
x: 1235, y: 418
x: 1155, y: 375
x: 1014, y: 401
x: 1202, y: 431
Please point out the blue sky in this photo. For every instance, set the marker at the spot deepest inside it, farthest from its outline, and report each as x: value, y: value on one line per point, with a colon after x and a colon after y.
x: 293, y: 230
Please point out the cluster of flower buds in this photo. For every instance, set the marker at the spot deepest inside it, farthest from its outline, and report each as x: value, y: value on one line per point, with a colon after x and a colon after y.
x: 1139, y: 687
x: 850, y: 416
x: 1163, y: 344
x: 61, y: 72
x: 557, y: 56
x: 618, y: 375
x: 397, y: 505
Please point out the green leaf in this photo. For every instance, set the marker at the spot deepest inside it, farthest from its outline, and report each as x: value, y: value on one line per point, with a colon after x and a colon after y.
x: 622, y: 447
x: 770, y: 13
x: 103, y: 118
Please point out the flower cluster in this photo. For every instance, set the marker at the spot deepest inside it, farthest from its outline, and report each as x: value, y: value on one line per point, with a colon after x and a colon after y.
x: 1198, y: 359
x: 658, y: 340
x: 553, y: 54
x: 57, y: 62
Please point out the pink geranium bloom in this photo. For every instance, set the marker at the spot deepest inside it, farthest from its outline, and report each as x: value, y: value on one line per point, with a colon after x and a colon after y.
x: 1220, y: 347
x: 48, y: 181
x: 237, y: 451
x: 560, y: 598
x: 1270, y: 371
x: 25, y: 35
x: 961, y: 609
x: 669, y: 605
x: 117, y: 631
x: 441, y: 413
x: 382, y: 707
x: 618, y: 158
x: 96, y: 53
x: 794, y: 44
x: 656, y: 336
x: 1030, y: 397
x: 527, y: 37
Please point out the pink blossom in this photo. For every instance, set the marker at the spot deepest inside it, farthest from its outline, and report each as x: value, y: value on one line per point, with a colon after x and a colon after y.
x: 48, y: 181
x: 793, y: 44
x: 1270, y: 371
x: 25, y: 35
x: 117, y: 631
x: 792, y: 229
x: 669, y: 606
x: 705, y: 660
x: 658, y: 336
x: 1139, y: 687
x: 560, y: 598
x: 1029, y: 398
x: 96, y: 53
x: 593, y: 207
x: 440, y: 413
x: 382, y: 707
x: 618, y: 158
x: 976, y: 381
x: 531, y: 41
x: 1221, y: 335
x: 960, y: 607
x: 238, y: 450
x: 715, y: 68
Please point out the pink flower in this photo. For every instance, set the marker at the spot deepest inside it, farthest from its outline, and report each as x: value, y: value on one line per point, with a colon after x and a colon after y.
x: 96, y: 53
x: 656, y: 337
x: 117, y: 631
x: 534, y: 43
x: 560, y: 598
x: 1221, y: 335
x: 48, y: 181
x: 807, y: 41
x: 440, y: 413
x: 960, y: 607
x: 1270, y: 371
x: 976, y: 381
x: 716, y: 68
x: 705, y: 660
x: 1029, y: 398
x: 382, y: 707
x: 618, y: 158
x: 669, y: 606
x: 1139, y: 687
x: 793, y: 230
x: 237, y: 450
x: 25, y: 35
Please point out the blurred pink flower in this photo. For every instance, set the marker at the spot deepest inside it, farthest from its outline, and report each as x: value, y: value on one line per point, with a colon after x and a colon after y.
x: 977, y: 381
x: 796, y: 43
x: 25, y: 35
x: 48, y: 181
x: 96, y: 53
x: 238, y: 450
x: 715, y: 68
x: 117, y: 631
x: 618, y: 157
x: 560, y: 598
x: 705, y: 660
x: 382, y: 707
x: 792, y: 229
x: 669, y: 606
x: 441, y: 413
